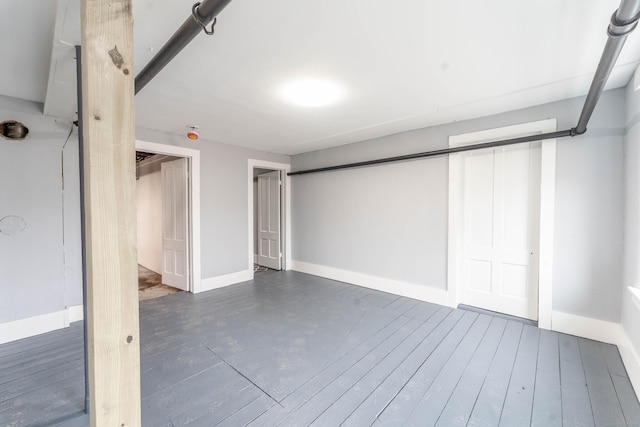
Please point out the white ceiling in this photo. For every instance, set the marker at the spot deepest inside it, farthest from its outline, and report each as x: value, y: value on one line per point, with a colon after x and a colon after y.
x: 405, y: 64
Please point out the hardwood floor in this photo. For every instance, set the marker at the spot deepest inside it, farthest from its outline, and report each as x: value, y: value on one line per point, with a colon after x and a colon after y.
x: 294, y: 350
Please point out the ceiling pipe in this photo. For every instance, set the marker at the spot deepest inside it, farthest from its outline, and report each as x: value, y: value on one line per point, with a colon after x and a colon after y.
x: 623, y: 21
x: 442, y: 152
x: 202, y: 15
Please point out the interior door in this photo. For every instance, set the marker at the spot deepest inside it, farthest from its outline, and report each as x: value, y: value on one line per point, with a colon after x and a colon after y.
x: 175, y: 225
x: 269, y: 235
x: 501, y: 194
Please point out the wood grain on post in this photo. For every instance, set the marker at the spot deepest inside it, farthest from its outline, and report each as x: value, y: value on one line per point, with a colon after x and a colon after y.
x: 109, y: 167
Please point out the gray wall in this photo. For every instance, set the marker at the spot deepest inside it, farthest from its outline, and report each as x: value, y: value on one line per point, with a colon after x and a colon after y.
x: 630, y: 312
x: 391, y: 221
x: 224, y: 200
x: 40, y: 270
x: 632, y: 189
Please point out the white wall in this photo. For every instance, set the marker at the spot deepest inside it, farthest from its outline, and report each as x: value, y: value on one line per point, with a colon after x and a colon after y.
x: 390, y: 221
x: 149, y: 214
x: 40, y: 267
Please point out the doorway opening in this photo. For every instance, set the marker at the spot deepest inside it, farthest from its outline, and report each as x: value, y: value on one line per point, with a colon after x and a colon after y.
x: 168, y: 218
x: 269, y: 213
x: 156, y: 203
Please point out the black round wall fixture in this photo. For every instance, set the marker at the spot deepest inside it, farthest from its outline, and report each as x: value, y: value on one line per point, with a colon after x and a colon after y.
x: 14, y: 130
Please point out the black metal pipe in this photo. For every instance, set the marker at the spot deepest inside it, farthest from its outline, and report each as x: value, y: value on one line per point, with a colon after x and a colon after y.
x: 442, y: 152
x: 623, y: 21
x: 206, y: 12
x: 83, y: 232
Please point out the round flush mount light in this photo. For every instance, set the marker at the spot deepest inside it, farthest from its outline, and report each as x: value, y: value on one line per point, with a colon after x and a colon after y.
x: 311, y: 92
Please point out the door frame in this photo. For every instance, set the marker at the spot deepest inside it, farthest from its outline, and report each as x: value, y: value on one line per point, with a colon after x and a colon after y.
x: 285, y: 211
x: 193, y: 162
x: 547, y: 211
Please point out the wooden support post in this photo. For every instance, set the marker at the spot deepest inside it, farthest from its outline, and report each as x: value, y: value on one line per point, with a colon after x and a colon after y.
x: 109, y: 167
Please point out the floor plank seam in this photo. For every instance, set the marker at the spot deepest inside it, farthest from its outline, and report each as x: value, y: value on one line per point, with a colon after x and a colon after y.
x: 534, y: 381
x: 244, y: 376
x: 349, y: 332
x: 396, y: 369
x: 382, y: 359
x: 419, y: 367
x: 437, y: 375
x: 586, y: 383
x: 471, y: 358
x: 305, y: 402
x: 347, y: 354
x: 510, y: 376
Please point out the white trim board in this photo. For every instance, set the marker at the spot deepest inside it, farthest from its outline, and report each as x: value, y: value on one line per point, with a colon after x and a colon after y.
x: 226, y: 280
x: 36, y: 325
x: 194, y: 185
x: 396, y: 287
x: 547, y: 208
x: 630, y: 359
x: 286, y: 212
x: 586, y: 327
x: 601, y: 330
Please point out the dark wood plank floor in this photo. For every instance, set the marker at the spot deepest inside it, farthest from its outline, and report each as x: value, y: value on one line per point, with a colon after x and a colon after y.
x: 295, y: 350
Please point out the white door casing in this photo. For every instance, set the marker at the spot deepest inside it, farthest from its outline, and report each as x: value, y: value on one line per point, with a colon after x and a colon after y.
x: 269, y: 223
x: 193, y: 157
x: 175, y: 224
x: 501, y: 223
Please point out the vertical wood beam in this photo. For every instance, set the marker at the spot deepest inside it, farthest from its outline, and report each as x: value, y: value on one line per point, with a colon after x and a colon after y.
x: 109, y: 167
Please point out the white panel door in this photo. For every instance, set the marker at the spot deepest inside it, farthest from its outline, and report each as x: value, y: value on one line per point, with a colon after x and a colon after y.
x: 175, y: 224
x: 501, y: 193
x: 269, y: 252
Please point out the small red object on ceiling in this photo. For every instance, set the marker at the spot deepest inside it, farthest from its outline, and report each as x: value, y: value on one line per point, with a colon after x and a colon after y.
x: 192, y: 134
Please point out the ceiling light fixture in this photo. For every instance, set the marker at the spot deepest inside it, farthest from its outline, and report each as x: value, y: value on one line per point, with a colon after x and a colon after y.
x: 311, y: 92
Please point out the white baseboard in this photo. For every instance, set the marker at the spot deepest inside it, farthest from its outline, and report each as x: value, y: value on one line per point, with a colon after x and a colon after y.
x: 410, y: 290
x: 631, y: 360
x: 601, y: 330
x: 36, y: 325
x: 75, y: 313
x: 586, y: 327
x: 225, y: 280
